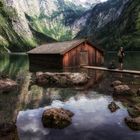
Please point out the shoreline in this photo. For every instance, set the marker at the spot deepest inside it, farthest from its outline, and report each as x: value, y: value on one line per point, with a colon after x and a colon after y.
x: 17, y: 53
x: 125, y: 51
x: 25, y: 53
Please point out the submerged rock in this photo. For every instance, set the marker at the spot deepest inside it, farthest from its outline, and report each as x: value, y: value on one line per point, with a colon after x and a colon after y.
x: 60, y: 79
x: 113, y: 107
x: 134, y: 111
x: 78, y: 78
x: 138, y: 92
x: 122, y: 90
x: 7, y: 85
x: 7, y: 128
x: 3, y: 76
x: 56, y: 118
x: 133, y: 123
x: 116, y: 83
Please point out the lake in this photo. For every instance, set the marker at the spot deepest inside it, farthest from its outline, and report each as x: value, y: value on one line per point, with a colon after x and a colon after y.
x: 92, y: 119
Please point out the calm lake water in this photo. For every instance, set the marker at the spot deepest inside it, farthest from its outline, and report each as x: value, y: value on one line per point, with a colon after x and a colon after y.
x: 92, y: 119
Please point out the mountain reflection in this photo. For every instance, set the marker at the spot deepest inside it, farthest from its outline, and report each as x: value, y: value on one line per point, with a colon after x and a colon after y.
x: 13, y: 64
x: 90, y: 111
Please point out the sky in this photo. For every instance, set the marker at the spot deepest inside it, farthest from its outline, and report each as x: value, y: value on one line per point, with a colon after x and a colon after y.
x: 87, y: 3
x: 93, y: 0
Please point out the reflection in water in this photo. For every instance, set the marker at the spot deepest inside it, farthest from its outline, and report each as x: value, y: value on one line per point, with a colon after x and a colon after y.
x: 35, y: 96
x: 131, y: 60
x: 133, y: 81
x: 92, y: 120
x: 13, y: 64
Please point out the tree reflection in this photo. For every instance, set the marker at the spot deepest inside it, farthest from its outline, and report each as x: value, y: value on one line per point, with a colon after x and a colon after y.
x: 12, y: 64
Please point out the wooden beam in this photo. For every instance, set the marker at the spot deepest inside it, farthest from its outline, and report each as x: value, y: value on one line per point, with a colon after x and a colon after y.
x: 112, y: 70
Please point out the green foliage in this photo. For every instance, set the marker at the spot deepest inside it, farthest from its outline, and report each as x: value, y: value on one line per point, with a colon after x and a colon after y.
x: 55, y: 28
x: 3, y: 45
x: 44, y: 27
x: 124, y: 32
x: 10, y: 64
x: 57, y: 25
x: 67, y: 35
x: 9, y: 39
x: 138, y: 22
x: 58, y: 31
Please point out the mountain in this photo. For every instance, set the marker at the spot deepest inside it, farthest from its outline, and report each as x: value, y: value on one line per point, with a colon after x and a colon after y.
x: 57, y: 20
x: 86, y: 3
x: 115, y: 24
x: 8, y: 34
x: 27, y: 23
x: 125, y: 31
x: 15, y: 32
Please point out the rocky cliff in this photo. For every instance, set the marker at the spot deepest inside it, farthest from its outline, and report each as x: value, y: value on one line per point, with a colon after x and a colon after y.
x: 26, y: 23
x: 125, y: 31
x: 114, y: 24
x: 15, y: 31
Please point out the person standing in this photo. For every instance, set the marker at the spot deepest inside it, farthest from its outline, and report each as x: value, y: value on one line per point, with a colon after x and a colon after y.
x: 121, y: 57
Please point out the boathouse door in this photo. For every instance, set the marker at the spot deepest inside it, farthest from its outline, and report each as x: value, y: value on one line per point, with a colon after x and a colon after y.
x: 84, y: 58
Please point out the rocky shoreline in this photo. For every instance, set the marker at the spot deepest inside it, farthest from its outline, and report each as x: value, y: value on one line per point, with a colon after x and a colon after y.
x: 58, y: 118
x: 7, y: 84
x: 60, y: 80
x: 130, y: 99
x: 8, y: 131
x: 61, y: 118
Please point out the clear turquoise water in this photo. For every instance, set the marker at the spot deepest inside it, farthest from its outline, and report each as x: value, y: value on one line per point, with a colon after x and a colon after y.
x: 92, y: 119
x: 131, y: 60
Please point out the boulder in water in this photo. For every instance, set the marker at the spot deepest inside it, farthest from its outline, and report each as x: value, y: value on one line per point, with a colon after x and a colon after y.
x: 133, y: 123
x: 61, y: 79
x: 134, y: 111
x: 113, y: 107
x: 56, y: 118
x: 7, y: 128
x: 116, y: 83
x: 7, y: 85
x: 122, y: 90
x: 138, y: 92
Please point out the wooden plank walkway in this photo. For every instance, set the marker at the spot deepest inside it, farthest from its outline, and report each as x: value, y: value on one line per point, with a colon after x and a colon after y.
x: 112, y: 70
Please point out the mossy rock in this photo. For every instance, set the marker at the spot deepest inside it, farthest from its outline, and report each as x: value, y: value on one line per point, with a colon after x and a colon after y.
x: 123, y: 90
x: 134, y: 111
x: 133, y: 123
x: 113, y: 107
x: 60, y: 79
x: 7, y: 128
x: 116, y: 83
x: 56, y: 118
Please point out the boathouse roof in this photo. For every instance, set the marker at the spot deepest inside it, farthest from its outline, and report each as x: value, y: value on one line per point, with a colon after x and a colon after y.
x: 59, y: 47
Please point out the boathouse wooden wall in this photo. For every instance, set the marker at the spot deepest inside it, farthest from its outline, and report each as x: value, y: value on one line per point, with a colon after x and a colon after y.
x: 69, y: 59
x: 72, y: 57
x: 45, y: 61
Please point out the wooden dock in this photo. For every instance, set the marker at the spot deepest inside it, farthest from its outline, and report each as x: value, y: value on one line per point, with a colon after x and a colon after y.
x: 112, y: 70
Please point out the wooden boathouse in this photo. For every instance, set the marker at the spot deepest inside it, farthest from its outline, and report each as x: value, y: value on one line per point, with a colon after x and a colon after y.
x: 73, y: 53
